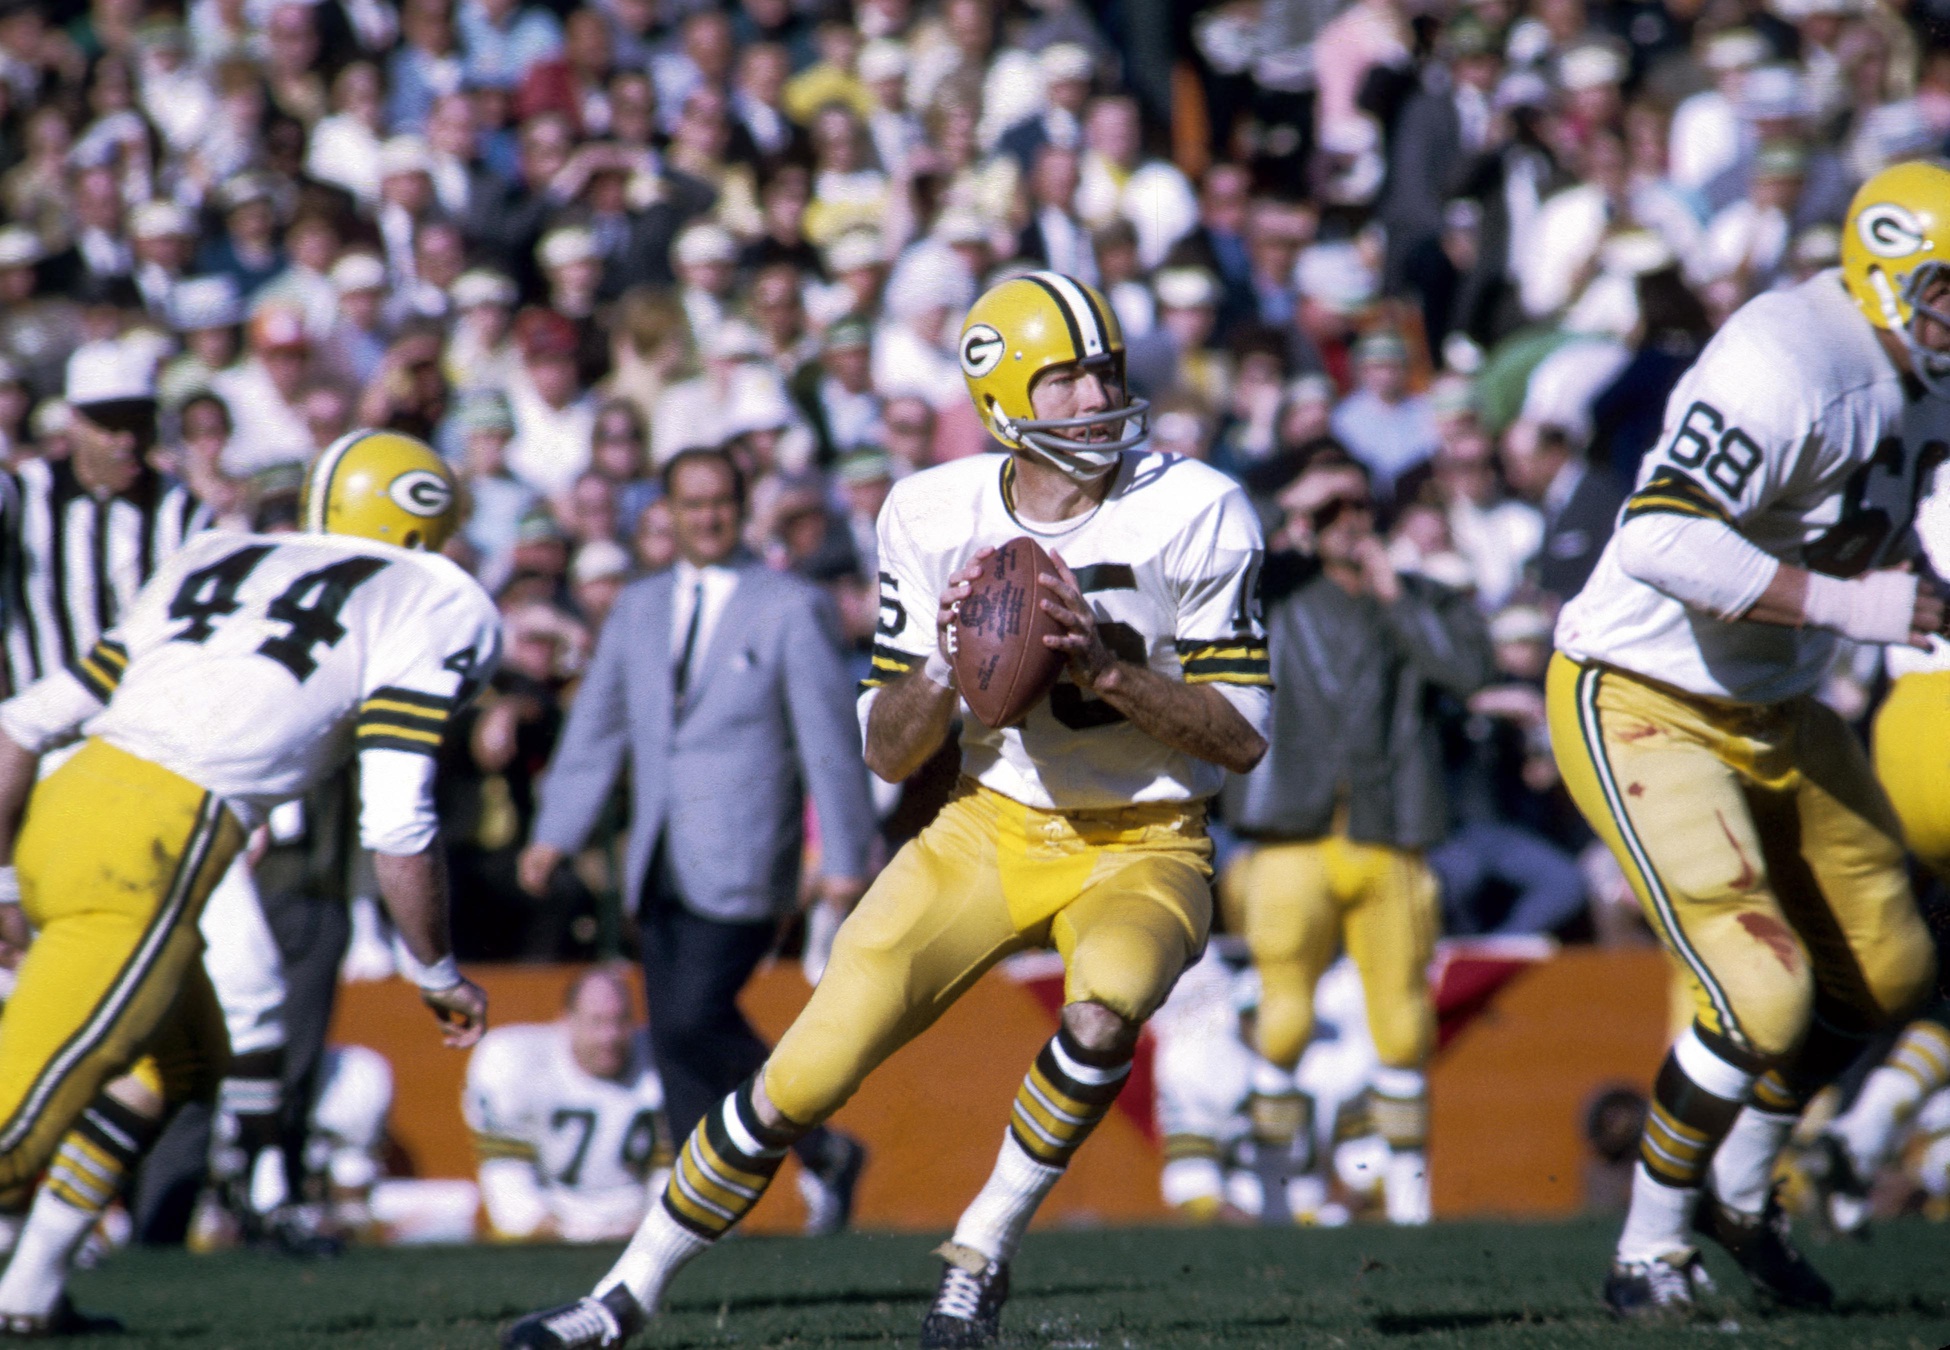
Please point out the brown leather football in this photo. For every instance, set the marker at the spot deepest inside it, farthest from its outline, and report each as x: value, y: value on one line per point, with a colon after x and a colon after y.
x: 1002, y: 665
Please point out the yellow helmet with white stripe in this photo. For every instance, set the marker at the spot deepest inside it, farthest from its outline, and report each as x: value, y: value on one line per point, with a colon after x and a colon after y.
x: 1024, y: 326
x: 382, y: 485
x: 1895, y: 243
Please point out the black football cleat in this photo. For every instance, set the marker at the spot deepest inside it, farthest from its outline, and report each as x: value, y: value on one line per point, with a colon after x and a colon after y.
x: 1760, y: 1246
x: 967, y: 1308
x: 65, y: 1320
x: 1665, y: 1289
x: 828, y: 1189
x: 590, y: 1323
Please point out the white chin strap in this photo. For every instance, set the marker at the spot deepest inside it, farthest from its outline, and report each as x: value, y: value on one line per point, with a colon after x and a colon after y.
x: 1084, y: 461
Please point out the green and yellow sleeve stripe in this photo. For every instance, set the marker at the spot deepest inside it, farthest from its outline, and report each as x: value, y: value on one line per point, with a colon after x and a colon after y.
x: 1235, y: 661
x: 491, y: 1146
x: 1675, y: 494
x: 403, y: 719
x: 101, y: 670
x: 889, y: 664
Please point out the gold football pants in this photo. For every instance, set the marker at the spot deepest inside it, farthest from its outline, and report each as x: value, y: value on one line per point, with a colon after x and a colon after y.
x: 116, y: 858
x: 1765, y: 855
x: 1123, y: 895
x: 1911, y: 742
x: 1299, y: 903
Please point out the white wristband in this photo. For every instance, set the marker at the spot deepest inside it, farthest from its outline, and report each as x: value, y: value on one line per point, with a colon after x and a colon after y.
x: 937, y: 669
x: 441, y: 975
x: 1878, y: 607
x: 9, y: 885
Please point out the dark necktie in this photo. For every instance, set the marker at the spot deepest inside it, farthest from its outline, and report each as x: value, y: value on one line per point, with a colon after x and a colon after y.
x: 682, y: 675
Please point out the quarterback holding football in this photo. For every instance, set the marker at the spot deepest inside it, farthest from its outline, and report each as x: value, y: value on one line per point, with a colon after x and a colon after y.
x: 1772, y: 520
x: 1078, y: 826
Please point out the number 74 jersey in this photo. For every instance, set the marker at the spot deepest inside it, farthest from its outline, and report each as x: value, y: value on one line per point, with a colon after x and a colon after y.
x: 1169, y: 564
x: 254, y: 665
x: 1796, y: 429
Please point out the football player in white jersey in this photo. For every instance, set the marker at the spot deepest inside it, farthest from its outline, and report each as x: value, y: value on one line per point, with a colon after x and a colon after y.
x: 248, y: 668
x: 567, y: 1119
x: 1767, y: 524
x: 1082, y: 829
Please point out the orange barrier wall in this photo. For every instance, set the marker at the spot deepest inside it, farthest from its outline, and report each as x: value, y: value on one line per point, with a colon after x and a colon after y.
x: 1509, y: 1092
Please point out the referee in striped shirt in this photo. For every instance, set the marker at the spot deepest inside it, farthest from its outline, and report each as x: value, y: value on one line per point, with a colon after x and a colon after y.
x: 84, y: 533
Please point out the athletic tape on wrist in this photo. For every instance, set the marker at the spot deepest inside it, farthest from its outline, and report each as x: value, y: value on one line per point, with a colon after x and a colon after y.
x: 937, y: 669
x: 442, y: 975
x: 1878, y: 607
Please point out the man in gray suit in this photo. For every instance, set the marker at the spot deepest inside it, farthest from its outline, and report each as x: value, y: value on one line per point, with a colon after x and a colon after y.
x: 722, y: 682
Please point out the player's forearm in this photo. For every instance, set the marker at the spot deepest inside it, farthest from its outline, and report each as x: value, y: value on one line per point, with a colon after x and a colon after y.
x: 909, y: 721
x: 1785, y: 599
x: 1189, y: 717
x: 414, y: 889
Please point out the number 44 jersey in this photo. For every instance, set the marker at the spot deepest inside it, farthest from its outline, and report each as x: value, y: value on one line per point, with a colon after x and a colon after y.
x: 254, y: 665
x: 1796, y: 429
x: 1169, y: 563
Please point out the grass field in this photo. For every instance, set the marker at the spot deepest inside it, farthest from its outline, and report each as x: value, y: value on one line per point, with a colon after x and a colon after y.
x: 1530, y: 1285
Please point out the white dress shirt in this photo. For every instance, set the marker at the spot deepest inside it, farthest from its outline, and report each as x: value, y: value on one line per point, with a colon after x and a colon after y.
x: 719, y: 582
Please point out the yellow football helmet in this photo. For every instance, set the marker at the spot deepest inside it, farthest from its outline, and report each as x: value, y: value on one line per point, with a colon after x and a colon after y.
x: 1895, y: 241
x: 382, y: 485
x: 1020, y: 328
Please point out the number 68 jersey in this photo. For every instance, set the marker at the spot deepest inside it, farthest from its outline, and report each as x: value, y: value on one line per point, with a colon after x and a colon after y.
x: 1796, y: 429
x: 254, y: 665
x: 1169, y: 563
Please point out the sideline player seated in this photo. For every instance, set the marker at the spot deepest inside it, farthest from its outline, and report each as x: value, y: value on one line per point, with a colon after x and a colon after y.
x: 1744, y: 812
x: 247, y: 670
x: 1081, y: 829
x: 567, y: 1119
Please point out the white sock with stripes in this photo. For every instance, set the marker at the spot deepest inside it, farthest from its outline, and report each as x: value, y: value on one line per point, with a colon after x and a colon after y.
x: 1743, y: 1165
x: 1867, y: 1128
x: 993, y: 1224
x: 39, y: 1269
x: 660, y: 1248
x: 1657, y: 1222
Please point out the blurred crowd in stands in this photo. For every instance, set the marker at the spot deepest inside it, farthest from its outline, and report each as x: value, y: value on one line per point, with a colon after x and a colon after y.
x: 1472, y: 241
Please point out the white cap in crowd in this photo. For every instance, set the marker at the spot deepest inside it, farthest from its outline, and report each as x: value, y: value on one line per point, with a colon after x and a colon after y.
x: 358, y: 272
x: 1062, y: 61
x: 567, y: 245
x: 1185, y: 287
x: 20, y: 247
x: 201, y: 303
x: 110, y: 371
x: 882, y: 59
x: 705, y: 243
x: 480, y: 286
x: 405, y: 153
x: 853, y: 250
x: 599, y: 559
x: 158, y: 220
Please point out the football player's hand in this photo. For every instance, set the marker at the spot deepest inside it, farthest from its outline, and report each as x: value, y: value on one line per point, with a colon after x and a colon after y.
x: 535, y: 866
x: 462, y: 1010
x: 1378, y: 570
x: 1090, y: 659
x: 958, y: 587
x: 1929, y: 618
x: 1309, y: 493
